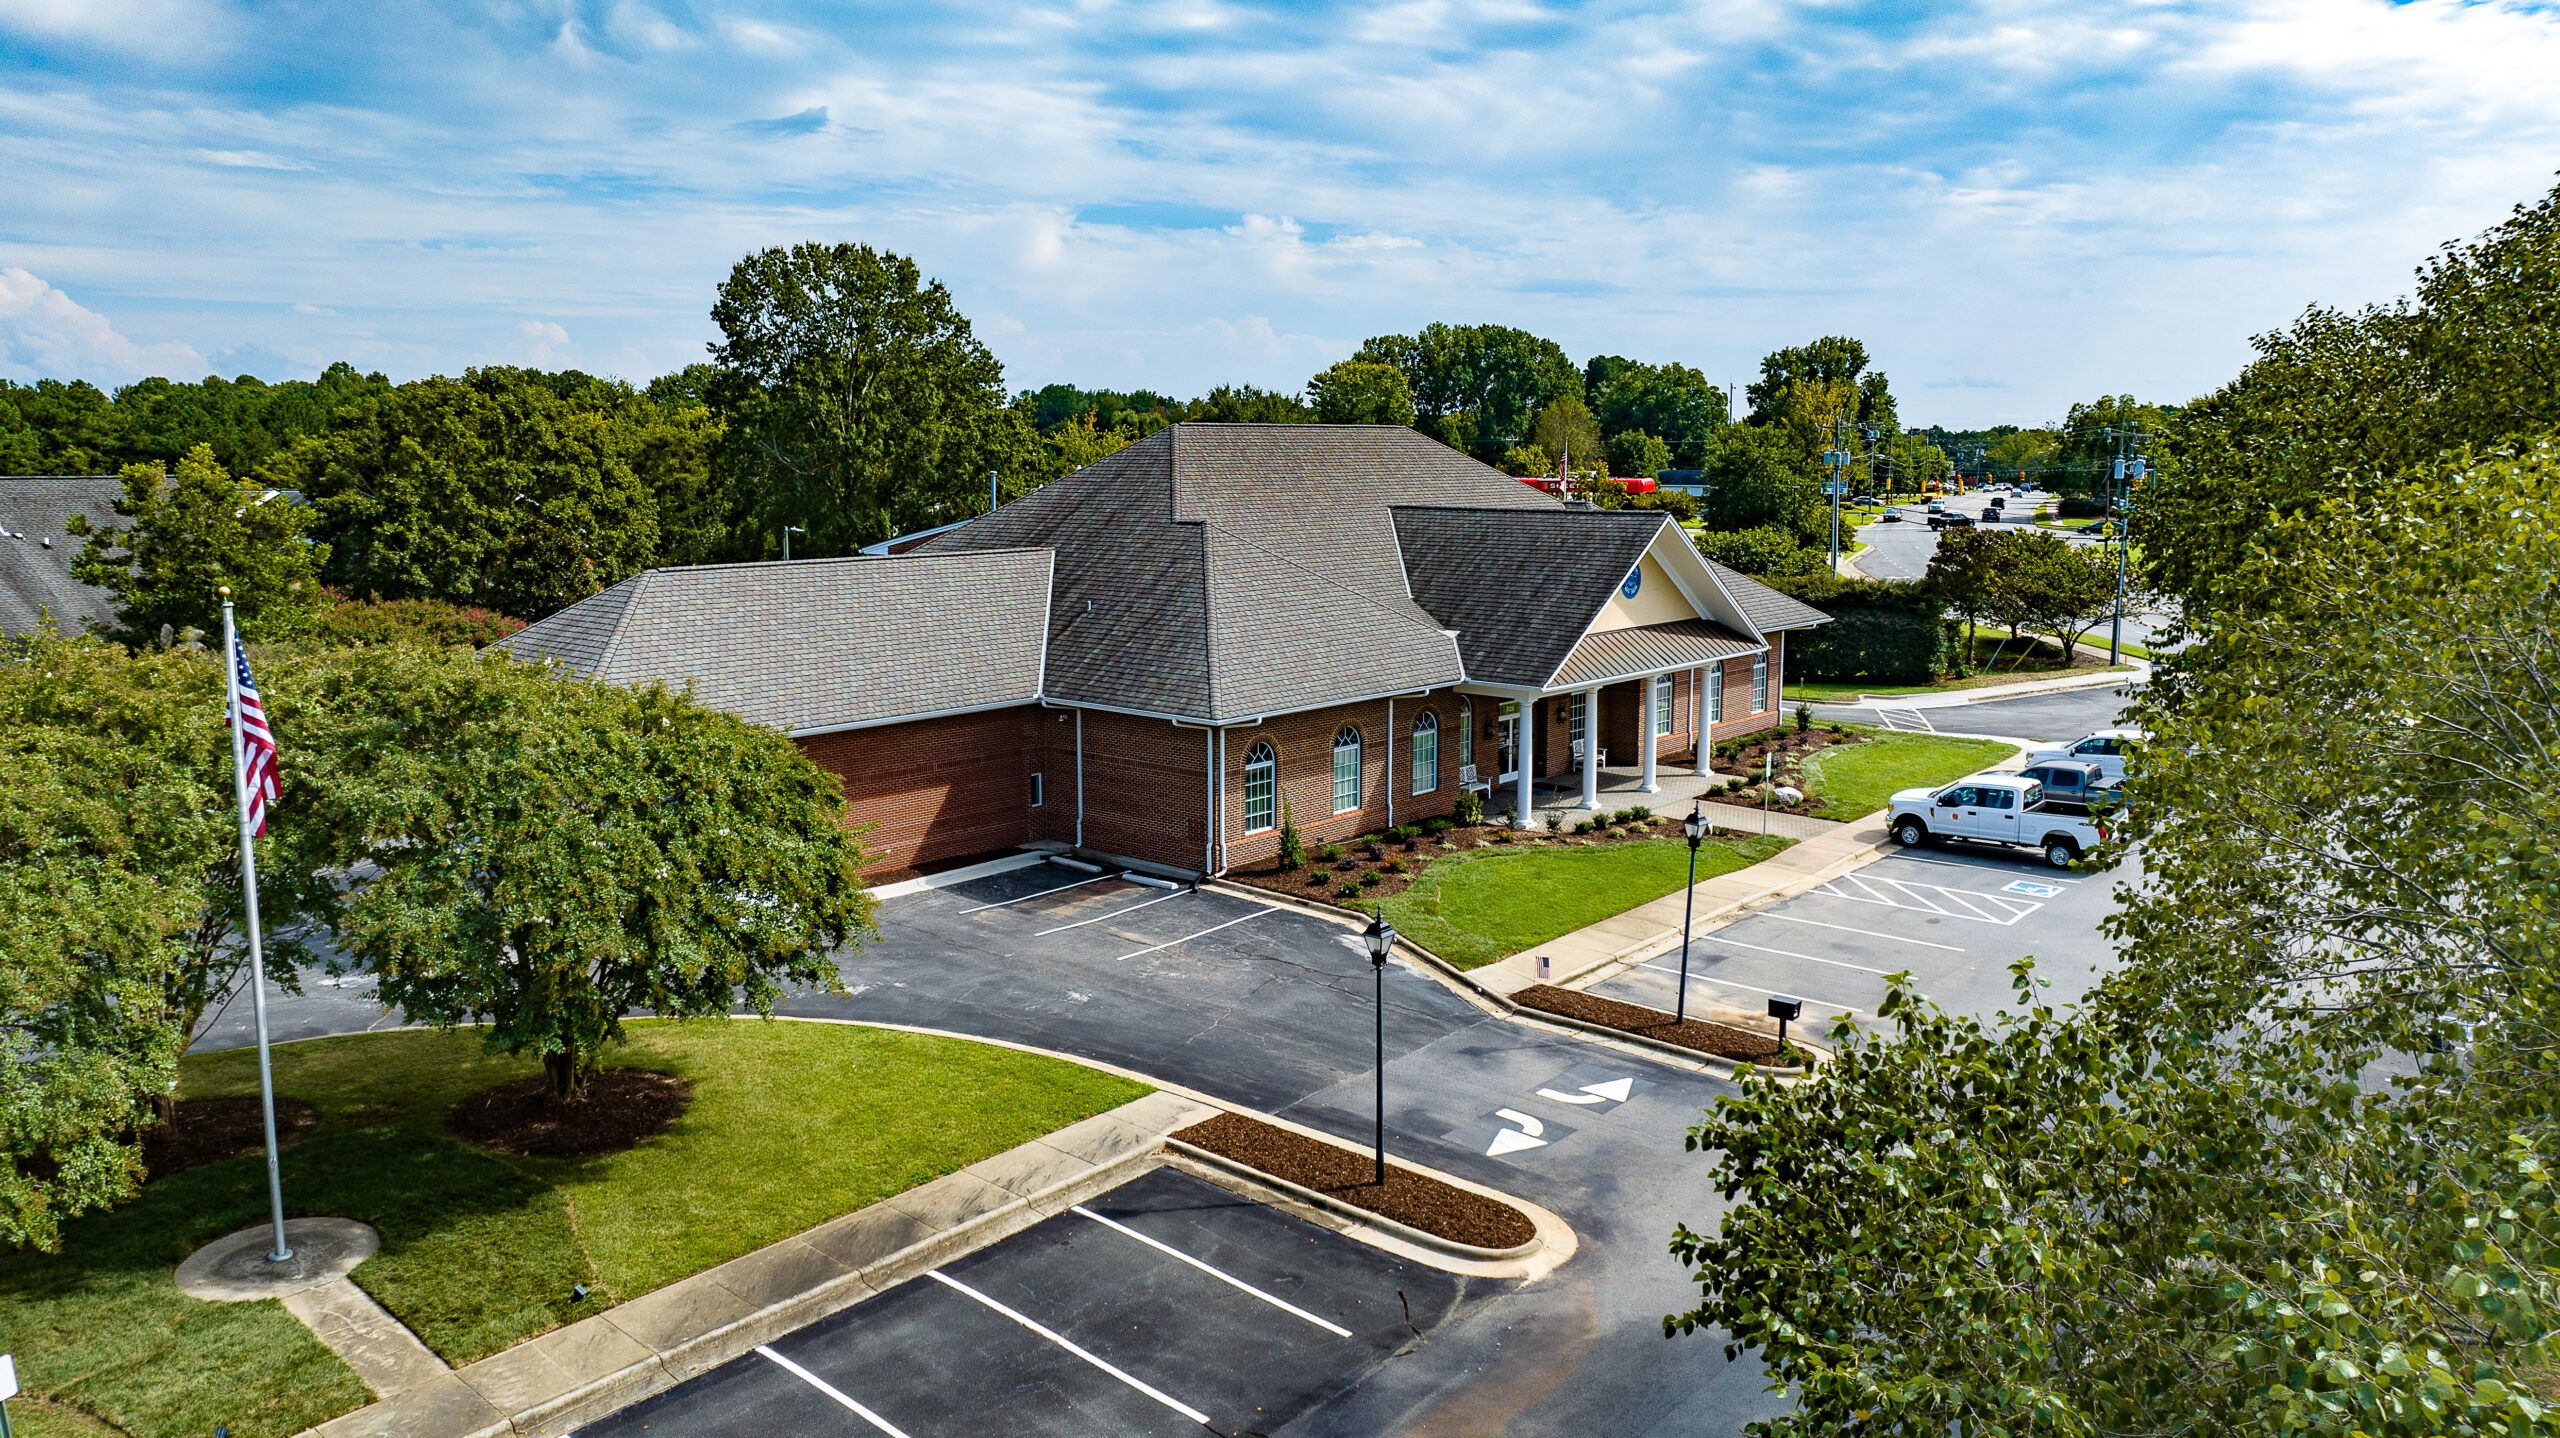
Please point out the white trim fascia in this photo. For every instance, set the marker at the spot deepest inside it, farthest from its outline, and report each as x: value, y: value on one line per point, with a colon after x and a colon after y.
x: 1048, y: 604
x: 812, y: 731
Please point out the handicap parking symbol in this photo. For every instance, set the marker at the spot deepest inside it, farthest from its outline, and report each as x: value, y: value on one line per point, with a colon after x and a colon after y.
x: 2033, y: 890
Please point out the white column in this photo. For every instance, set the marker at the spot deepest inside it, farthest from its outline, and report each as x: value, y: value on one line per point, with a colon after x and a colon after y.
x: 1645, y: 728
x: 1590, y: 737
x: 1698, y: 716
x: 1528, y: 757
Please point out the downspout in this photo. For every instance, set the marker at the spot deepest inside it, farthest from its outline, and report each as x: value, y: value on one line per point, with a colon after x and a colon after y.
x: 1218, y: 809
x: 1391, y: 761
x: 1079, y: 778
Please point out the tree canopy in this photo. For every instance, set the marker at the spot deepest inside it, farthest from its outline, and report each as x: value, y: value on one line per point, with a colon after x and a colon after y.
x: 1361, y: 392
x: 1477, y: 387
x: 859, y: 403
x: 1671, y: 402
x: 189, y: 534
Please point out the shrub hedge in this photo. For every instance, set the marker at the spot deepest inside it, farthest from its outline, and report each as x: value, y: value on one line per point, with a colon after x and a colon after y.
x: 1882, y: 631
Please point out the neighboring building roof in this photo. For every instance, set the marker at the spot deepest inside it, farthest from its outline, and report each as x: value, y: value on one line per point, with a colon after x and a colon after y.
x: 1221, y: 571
x: 1765, y: 607
x: 821, y: 643
x: 37, y: 552
x: 1613, y: 654
x: 1519, y: 591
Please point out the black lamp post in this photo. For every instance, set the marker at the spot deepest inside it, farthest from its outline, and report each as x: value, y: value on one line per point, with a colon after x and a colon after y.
x: 1695, y: 827
x: 1380, y: 936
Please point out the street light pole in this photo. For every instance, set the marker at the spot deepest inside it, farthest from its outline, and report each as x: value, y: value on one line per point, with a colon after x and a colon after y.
x: 1380, y: 937
x: 1695, y: 827
x: 789, y: 530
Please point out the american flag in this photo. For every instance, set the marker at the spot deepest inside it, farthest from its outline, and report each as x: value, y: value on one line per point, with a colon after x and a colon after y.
x: 257, y: 744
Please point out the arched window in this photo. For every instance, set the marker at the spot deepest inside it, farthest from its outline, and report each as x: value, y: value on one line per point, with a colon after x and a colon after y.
x: 1261, y: 789
x: 1426, y: 752
x: 1466, y: 737
x: 1346, y: 769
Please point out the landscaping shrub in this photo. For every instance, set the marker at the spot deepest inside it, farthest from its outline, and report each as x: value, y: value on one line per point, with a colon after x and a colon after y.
x: 1804, y: 718
x: 1634, y: 814
x: 1435, y: 826
x: 1392, y: 866
x: 1470, y: 809
x: 1404, y: 833
x: 1882, y: 631
x: 2081, y: 506
x: 1370, y: 877
x: 1587, y: 826
x: 1350, y: 889
x: 1767, y: 551
x: 1293, y: 850
x: 1331, y: 853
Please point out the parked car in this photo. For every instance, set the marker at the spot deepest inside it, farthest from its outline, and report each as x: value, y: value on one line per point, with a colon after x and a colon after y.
x: 2106, y: 749
x: 2076, y: 781
x: 1997, y: 809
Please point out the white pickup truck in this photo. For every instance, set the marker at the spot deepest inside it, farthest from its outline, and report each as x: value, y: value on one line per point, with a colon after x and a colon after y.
x: 1997, y: 809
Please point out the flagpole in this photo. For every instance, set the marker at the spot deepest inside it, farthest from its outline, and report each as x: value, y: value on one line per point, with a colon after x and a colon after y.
x: 257, y: 954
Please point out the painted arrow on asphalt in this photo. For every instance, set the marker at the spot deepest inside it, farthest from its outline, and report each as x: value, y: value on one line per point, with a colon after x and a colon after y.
x: 1616, y: 1090
x: 1513, y: 1140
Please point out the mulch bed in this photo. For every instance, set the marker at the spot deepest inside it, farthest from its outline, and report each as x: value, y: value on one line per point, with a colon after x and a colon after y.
x: 1721, y: 1040
x: 1789, y: 749
x: 209, y: 1130
x: 620, y: 1109
x: 1437, y: 1208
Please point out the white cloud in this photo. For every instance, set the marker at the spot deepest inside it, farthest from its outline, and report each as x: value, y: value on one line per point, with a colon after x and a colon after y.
x: 542, y: 342
x: 143, y: 27
x: 46, y: 333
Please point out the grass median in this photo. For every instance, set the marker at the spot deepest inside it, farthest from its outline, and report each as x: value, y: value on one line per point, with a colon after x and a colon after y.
x: 1852, y: 781
x: 1486, y: 904
x: 790, y: 1124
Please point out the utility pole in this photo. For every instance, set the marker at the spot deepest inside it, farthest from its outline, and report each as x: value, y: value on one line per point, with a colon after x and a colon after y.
x: 789, y: 530
x: 1835, y: 461
x: 2129, y: 466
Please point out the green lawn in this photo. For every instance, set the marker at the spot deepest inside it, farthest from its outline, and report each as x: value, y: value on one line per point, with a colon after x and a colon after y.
x: 791, y: 1124
x: 1485, y: 904
x: 1854, y: 780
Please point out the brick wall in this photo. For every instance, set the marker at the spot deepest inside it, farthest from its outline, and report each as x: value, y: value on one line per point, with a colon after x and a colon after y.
x: 1739, y: 718
x: 1302, y: 749
x: 935, y: 789
x: 1049, y: 750
x: 1146, y: 789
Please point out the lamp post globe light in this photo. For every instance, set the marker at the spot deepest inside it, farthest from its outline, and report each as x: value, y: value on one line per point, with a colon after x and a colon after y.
x: 1694, y: 829
x: 1380, y: 937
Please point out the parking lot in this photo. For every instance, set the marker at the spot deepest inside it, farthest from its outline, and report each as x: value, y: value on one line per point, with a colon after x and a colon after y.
x: 1955, y: 918
x: 1165, y: 1306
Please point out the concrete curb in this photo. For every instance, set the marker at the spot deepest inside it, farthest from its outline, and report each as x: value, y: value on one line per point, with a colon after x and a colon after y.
x: 2135, y: 671
x: 556, y: 1381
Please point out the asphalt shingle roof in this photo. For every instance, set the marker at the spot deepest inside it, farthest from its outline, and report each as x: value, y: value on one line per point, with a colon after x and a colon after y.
x: 819, y: 643
x: 1519, y: 589
x: 1222, y: 571
x: 36, y: 553
x: 1767, y: 609
x: 1615, y: 654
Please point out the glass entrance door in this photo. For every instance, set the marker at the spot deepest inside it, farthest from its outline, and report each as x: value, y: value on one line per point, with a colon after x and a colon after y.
x: 1507, y: 730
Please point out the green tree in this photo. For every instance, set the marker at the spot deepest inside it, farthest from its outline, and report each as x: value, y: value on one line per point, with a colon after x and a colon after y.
x: 859, y: 404
x: 1247, y: 404
x: 2339, y: 403
x: 1636, y: 454
x: 551, y: 854
x: 408, y: 621
x: 1671, y: 401
x: 1528, y: 461
x: 1757, y: 476
x: 2086, y: 447
x: 1766, y: 549
x: 1477, y: 387
x: 2022, y: 453
x: 1361, y: 392
x: 1832, y: 360
x: 510, y: 489
x: 187, y: 535
x: 1566, y: 430
x: 1079, y: 442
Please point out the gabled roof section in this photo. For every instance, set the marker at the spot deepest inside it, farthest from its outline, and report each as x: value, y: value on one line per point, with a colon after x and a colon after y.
x: 1226, y: 571
x: 1767, y: 609
x: 818, y: 644
x: 37, y: 551
x: 1614, y: 654
x: 1520, y: 588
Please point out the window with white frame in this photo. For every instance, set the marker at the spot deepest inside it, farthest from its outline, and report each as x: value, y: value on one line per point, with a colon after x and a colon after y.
x: 1261, y: 789
x: 1346, y: 770
x: 1426, y: 753
x: 1578, y: 729
x: 1466, y: 734
x: 1759, y: 683
x: 1715, y: 694
x: 1662, y: 712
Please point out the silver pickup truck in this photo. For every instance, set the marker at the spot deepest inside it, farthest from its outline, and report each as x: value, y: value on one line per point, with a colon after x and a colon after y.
x: 1997, y: 809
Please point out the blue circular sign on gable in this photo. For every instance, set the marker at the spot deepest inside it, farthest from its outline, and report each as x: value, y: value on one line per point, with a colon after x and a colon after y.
x: 1635, y: 581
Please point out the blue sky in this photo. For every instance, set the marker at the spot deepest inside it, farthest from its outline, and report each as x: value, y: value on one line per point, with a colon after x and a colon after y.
x: 2016, y: 203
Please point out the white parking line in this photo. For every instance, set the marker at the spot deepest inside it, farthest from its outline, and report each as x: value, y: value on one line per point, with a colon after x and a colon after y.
x: 1042, y: 894
x: 1792, y: 954
x: 1115, y: 913
x: 1284, y: 1305
x: 1724, y: 982
x: 1204, y: 933
x: 1984, y: 869
x: 829, y: 1389
x: 1176, y: 1404
x: 1870, y: 933
x: 1973, y: 904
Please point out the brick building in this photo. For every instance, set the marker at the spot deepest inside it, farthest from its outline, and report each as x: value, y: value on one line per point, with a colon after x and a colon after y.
x: 1165, y: 654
